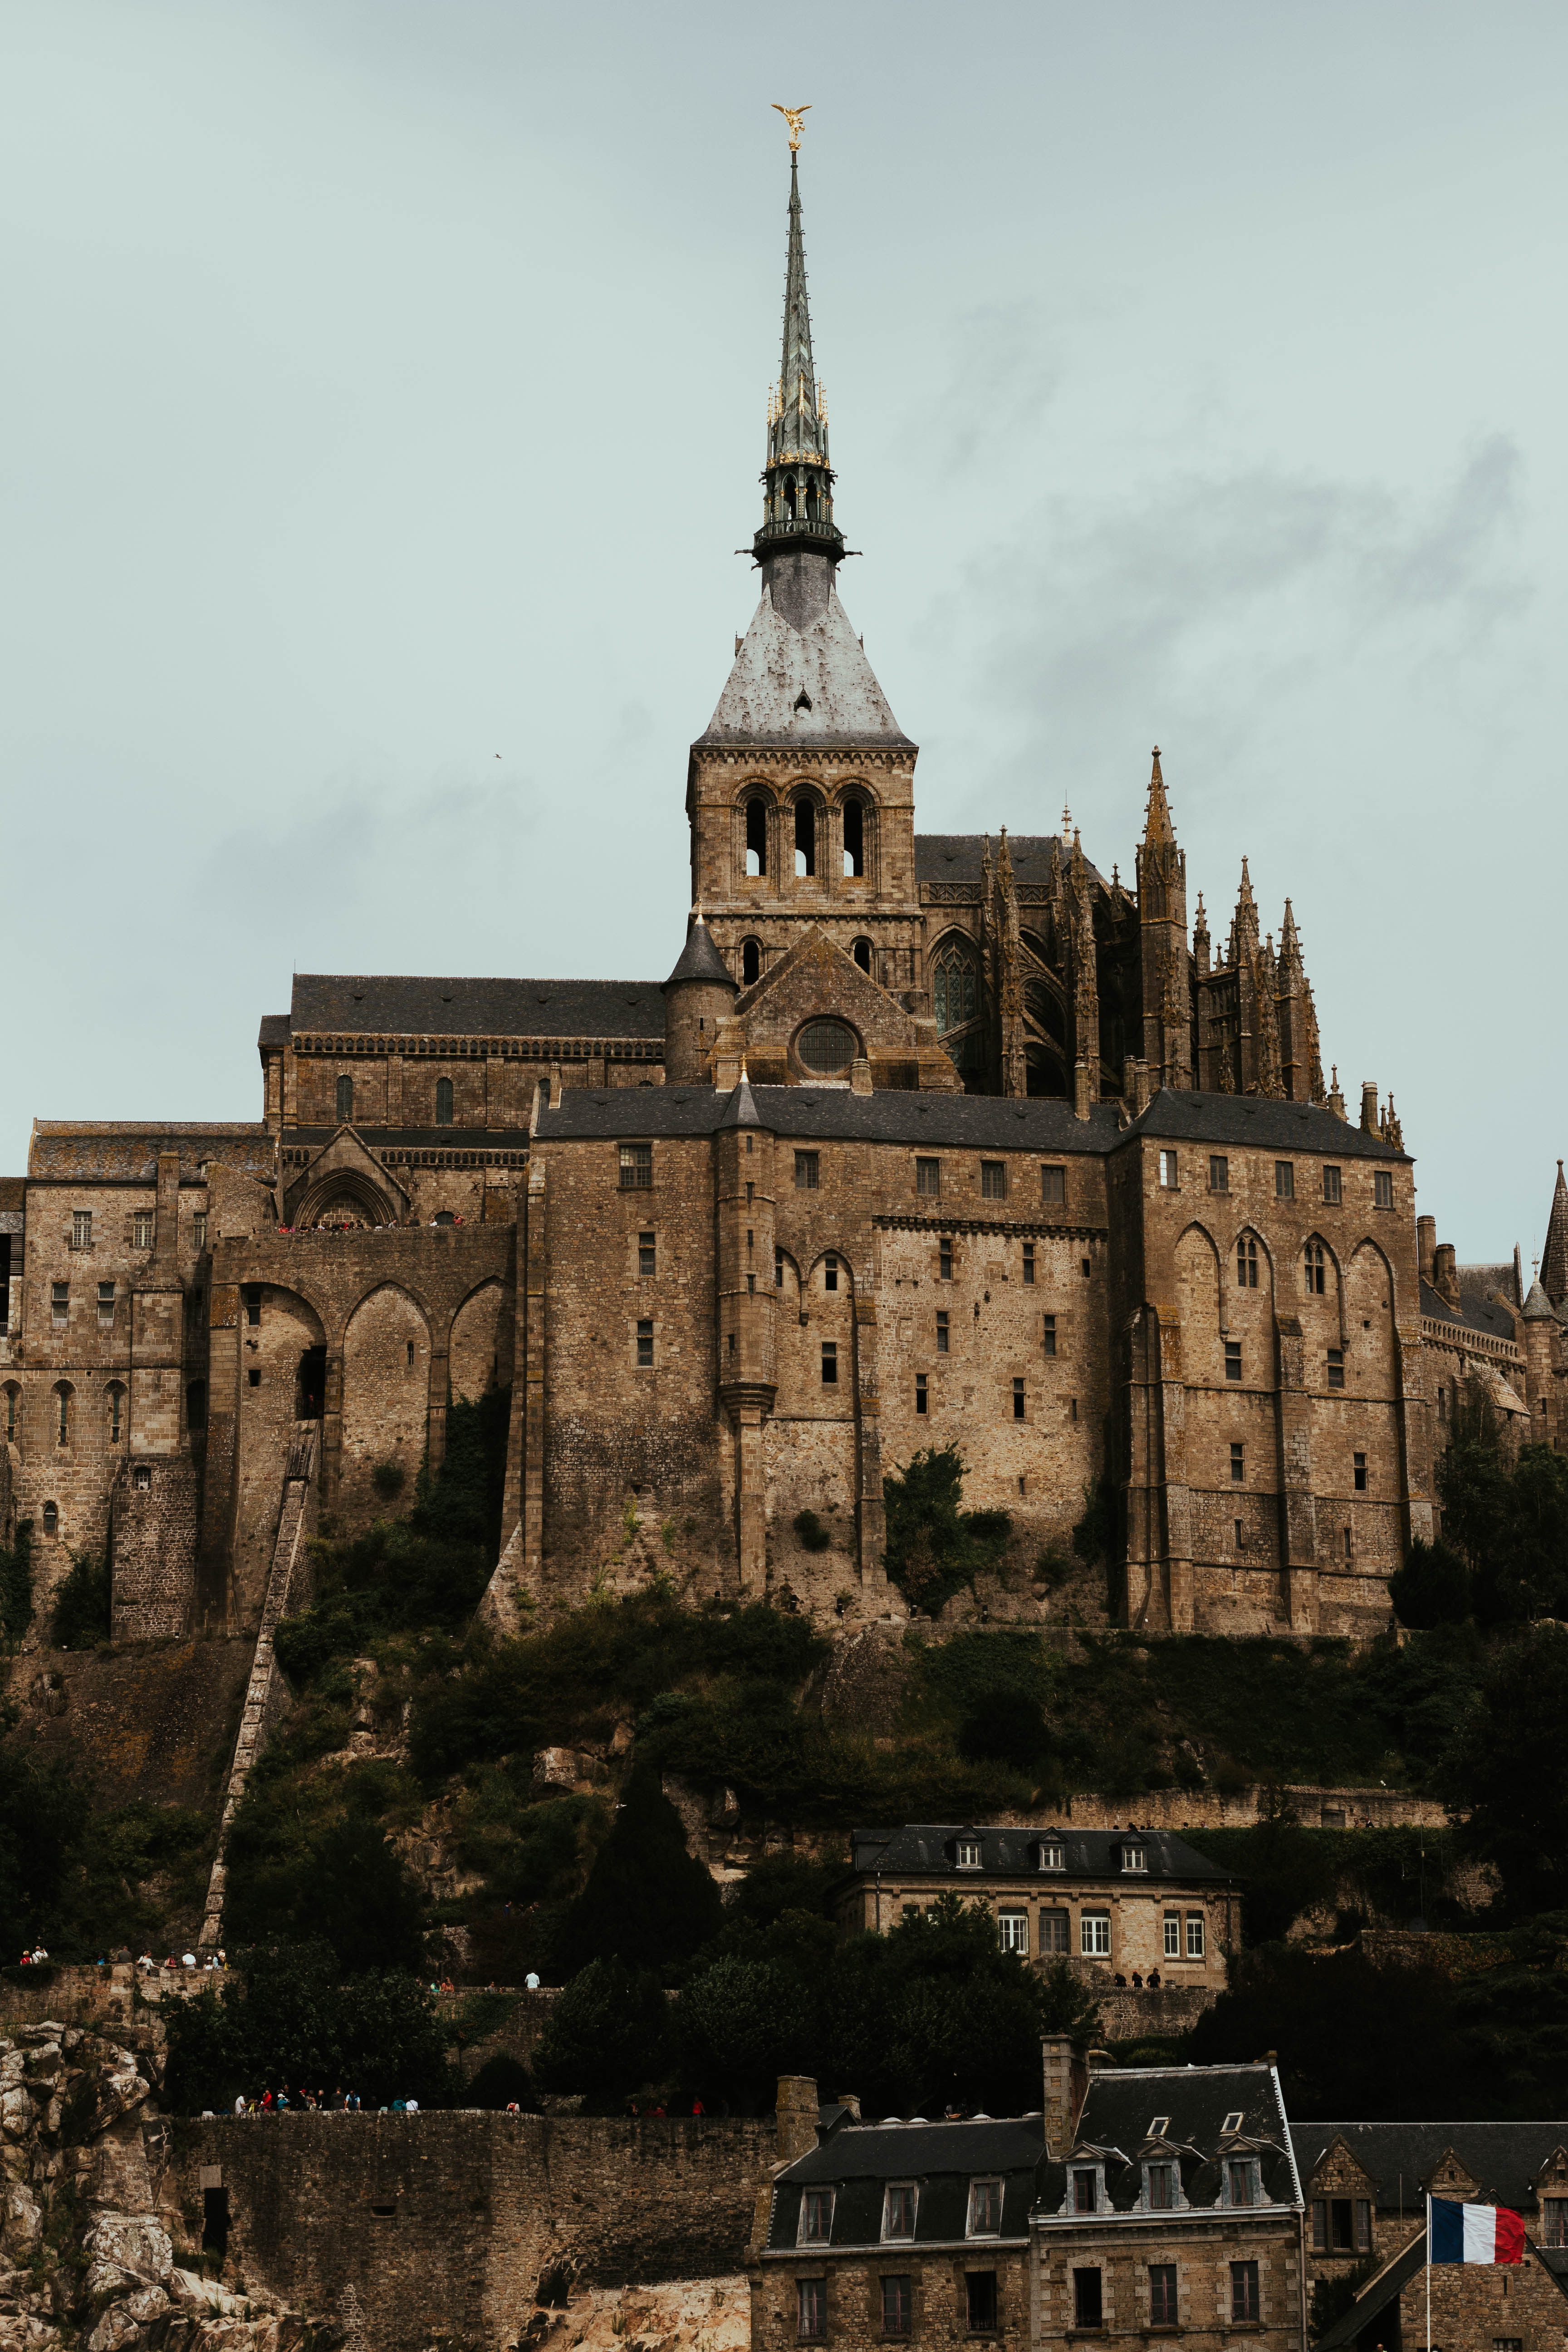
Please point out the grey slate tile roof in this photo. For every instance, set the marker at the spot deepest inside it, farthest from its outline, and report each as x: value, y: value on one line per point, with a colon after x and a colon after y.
x: 399, y: 1004
x: 925, y: 1848
x: 1122, y: 2103
x: 777, y: 665
x: 1494, y: 1321
x: 1259, y: 1122
x: 941, y: 2158
x: 1505, y: 2157
x: 274, y: 1030
x: 1376, y: 2296
x: 126, y: 1151
x: 959, y: 857
x: 700, y: 959
x: 939, y: 1122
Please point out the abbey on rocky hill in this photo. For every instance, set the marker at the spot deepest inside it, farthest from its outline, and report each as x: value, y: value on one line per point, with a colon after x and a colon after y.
x: 926, y: 1141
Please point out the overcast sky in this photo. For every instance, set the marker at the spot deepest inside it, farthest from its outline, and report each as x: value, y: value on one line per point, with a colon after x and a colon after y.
x: 385, y: 392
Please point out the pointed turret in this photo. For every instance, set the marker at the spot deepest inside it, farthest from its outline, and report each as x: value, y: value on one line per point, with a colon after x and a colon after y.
x: 1158, y: 826
x: 1162, y: 944
x: 1554, y: 1257
x: 797, y: 479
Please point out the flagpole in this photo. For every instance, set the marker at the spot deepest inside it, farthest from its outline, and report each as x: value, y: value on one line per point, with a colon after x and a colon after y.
x: 1428, y: 2271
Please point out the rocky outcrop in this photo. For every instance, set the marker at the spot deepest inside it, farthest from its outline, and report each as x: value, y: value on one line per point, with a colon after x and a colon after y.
x: 86, y: 2261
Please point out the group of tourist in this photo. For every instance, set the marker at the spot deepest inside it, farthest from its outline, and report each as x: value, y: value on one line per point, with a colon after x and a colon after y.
x: 35, y: 1959
x: 342, y: 2103
x: 213, y: 1963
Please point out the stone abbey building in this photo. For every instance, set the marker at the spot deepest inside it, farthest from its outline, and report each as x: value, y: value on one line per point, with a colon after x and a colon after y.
x: 927, y: 1140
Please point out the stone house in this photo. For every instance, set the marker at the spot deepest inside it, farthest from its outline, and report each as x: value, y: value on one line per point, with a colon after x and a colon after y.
x: 1126, y: 1906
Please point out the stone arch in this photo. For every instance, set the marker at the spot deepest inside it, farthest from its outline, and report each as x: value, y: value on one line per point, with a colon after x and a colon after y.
x: 857, y: 815
x: 114, y: 1414
x: 62, y: 1413
x: 1200, y: 1280
x: 808, y: 809
x: 1368, y: 1295
x: 385, y: 1354
x: 345, y: 1196
x: 474, y: 1350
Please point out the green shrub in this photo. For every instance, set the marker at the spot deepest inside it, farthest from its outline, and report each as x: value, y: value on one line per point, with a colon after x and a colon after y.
x: 811, y: 1531
x: 16, y: 1586
x: 647, y: 1900
x: 389, y: 1478
x: 83, y: 1605
x: 288, y: 2015
x: 933, y: 1548
x: 608, y: 2035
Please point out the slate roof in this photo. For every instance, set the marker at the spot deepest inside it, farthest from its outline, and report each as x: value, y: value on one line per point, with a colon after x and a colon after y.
x: 1494, y: 1321
x: 959, y: 857
x: 12, y: 1193
x: 1503, y: 2157
x: 274, y: 1030
x: 398, y: 1004
x: 125, y: 1151
x: 925, y: 1849
x: 1477, y: 1285
x: 777, y: 663
x: 1377, y: 2294
x: 941, y: 2158
x: 942, y: 1121
x: 423, y: 1138
x: 1122, y: 2103
x: 700, y: 959
x: 1259, y: 1122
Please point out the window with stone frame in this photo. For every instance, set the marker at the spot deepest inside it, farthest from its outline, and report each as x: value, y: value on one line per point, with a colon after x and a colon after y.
x: 59, y: 1304
x: 1381, y: 1188
x: 1160, y: 2187
x: 955, y: 987
x: 1284, y: 1180
x: 927, y: 1178
x: 993, y: 1180
x: 1029, y: 1262
x: 811, y: 2310
x: 1219, y: 1173
x: 345, y: 1098
x: 1087, y: 2299
x: 807, y: 1172
x: 1094, y: 1935
x: 1336, y: 1374
x: 816, y: 2217
x: 82, y: 1229
x: 1333, y: 1191
x: 141, y: 1229
x: 443, y: 1102
x: 944, y: 1259
x: 645, y: 1343
x: 984, y: 2209
x: 1050, y: 1335
x: 980, y: 2297
x: 1554, y: 2220
x: 897, y: 2304
x: 1162, y: 2294
x: 1195, y: 1935
x: 1241, y: 2180
x: 105, y: 1306
x: 829, y: 1363
x: 1233, y: 1360
x: 1244, y: 2304
x: 1013, y: 1931
x: 1053, y: 1187
x: 635, y: 1167
x: 899, y: 2202
x: 648, y: 1253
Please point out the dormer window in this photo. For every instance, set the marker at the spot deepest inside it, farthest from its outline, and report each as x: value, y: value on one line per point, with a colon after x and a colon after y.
x: 816, y: 2217
x: 967, y: 1853
x: 1135, y: 1857
x: 1241, y: 2184
x: 1085, y: 2191
x: 1232, y: 2121
x: 1161, y: 2186
x: 1160, y: 2128
x: 898, y: 2210
x: 1050, y: 1854
x: 984, y: 2209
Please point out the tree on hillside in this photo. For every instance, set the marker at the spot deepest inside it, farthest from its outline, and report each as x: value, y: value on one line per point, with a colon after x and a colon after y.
x: 647, y: 1901
x: 1508, y: 1766
x: 608, y: 2035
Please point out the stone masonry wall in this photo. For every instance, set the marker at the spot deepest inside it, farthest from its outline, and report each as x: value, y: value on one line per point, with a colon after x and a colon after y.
x: 939, y: 2295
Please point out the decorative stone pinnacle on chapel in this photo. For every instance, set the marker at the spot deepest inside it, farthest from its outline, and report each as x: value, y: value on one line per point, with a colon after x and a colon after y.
x: 798, y: 477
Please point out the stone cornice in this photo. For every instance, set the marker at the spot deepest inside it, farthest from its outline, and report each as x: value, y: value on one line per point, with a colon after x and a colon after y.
x: 340, y: 1045
x: 899, y: 1221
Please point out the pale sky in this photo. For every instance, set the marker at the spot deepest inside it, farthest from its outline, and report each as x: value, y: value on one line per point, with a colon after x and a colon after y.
x: 385, y: 392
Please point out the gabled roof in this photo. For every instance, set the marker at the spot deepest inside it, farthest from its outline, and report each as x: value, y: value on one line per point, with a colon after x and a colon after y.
x: 790, y: 686
x: 926, y: 1849
x: 1379, y: 2292
x: 961, y: 856
x: 1261, y: 1121
x: 403, y: 1004
x: 125, y: 1151
x: 1504, y: 2157
x: 941, y: 2158
x: 1193, y: 2104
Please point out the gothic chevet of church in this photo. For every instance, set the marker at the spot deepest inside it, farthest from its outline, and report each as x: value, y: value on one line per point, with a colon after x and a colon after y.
x: 928, y: 1140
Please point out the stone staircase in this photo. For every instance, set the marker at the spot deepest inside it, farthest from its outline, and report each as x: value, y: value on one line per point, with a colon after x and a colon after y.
x: 256, y: 1723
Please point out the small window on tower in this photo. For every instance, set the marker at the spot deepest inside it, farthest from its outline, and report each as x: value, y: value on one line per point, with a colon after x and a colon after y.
x: 756, y: 840
x: 922, y: 1401
x: 1239, y: 1464
x: 1029, y: 1262
x: 648, y: 1253
x: 1018, y: 1400
x: 346, y: 1099
x: 1050, y: 1335
x: 944, y: 1259
x: 855, y: 845
x: 862, y: 952
x: 645, y: 1343
x: 443, y: 1102
x: 1358, y: 1466
x: 751, y: 962
x: 829, y: 1363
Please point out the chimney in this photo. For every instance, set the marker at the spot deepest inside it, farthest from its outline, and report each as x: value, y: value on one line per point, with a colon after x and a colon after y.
x: 1056, y: 2065
x: 1425, y: 1245
x: 1368, y: 1106
x: 1080, y: 1094
x: 797, y: 2118
x: 851, y: 2099
x: 1445, y: 1274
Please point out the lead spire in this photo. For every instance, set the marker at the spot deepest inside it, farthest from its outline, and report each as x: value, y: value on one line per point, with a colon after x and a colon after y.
x: 797, y: 477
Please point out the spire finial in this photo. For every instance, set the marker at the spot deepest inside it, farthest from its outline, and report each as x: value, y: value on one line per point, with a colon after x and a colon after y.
x: 797, y: 477
x: 791, y: 115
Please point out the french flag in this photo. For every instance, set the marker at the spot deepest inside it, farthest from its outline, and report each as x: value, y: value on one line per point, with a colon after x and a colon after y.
x: 1473, y: 2233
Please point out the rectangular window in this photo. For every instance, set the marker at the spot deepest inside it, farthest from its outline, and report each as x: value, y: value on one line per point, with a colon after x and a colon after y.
x: 967, y: 1853
x: 1085, y: 2191
x: 105, y: 1305
x: 981, y: 2292
x: 251, y: 1293
x: 1162, y: 2288
x: 816, y: 2217
x: 830, y: 1271
x: 645, y: 1343
x: 1244, y: 2294
x: 1195, y: 1935
x: 1053, y: 1931
x: 1238, y: 1466
x: 255, y: 1379
x: 1173, y: 1935
x: 1161, y: 2188
x: 944, y: 1259
x: 1337, y: 1370
x: 1383, y: 1189
x: 778, y: 1269
x: 637, y: 1167
x: 985, y: 2199
x: 1333, y: 1189
x: 1168, y: 1172
x: 199, y: 1229
x: 1051, y: 1854
x: 82, y: 1229
x: 648, y: 1253
x: 928, y: 1178
x: 60, y: 1303
x: 1029, y: 1262
x: 807, y: 1172
x: 1358, y: 1472
x: 1320, y: 2225
x: 1013, y: 1930
x: 1363, y: 2225
x: 1050, y: 1335
x: 141, y: 1229
x: 942, y: 1331
x: 923, y: 1394
x: 1085, y: 2302
x: 1017, y: 1400
x: 1219, y: 1173
x: 898, y: 2210
x: 993, y: 1180
x: 1442, y: 1391
x: 1555, y: 2210
x: 1233, y: 1360
x: 898, y: 2305
x: 1094, y: 1935
x: 829, y: 1363
x: 1240, y: 2186
x: 811, y: 2310
x: 1350, y: 1546
x: 1053, y: 1187
x: 1341, y: 2237
x: 1284, y: 1180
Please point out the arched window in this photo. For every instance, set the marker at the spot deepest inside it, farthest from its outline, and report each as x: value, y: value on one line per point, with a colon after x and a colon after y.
x: 956, y: 985
x: 1316, y: 1271
x: 854, y: 837
x: 805, y: 837
x: 443, y: 1102
x: 789, y: 496
x: 827, y: 1047
x: 51, y: 1518
x: 756, y: 835
x: 751, y: 962
x: 1247, y: 1262
x: 116, y: 1412
x: 64, y: 1395
x: 12, y: 1411
x: 861, y: 952
x: 443, y: 1217
x: 346, y: 1099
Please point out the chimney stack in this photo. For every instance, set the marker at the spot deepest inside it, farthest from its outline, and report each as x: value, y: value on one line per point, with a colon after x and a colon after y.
x: 796, y: 2118
x: 1368, y: 1106
x: 1056, y: 2065
x: 1445, y: 1274
x: 1425, y: 1246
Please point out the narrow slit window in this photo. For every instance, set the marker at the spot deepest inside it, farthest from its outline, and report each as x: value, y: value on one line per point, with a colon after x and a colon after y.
x: 751, y: 962
x: 346, y: 1099
x: 830, y: 1272
x: 1018, y: 1400
x: 443, y: 1102
x: 944, y: 1259
x: 804, y: 836
x: 1029, y: 1262
x: 1359, y: 1471
x: 854, y: 839
x: 1239, y: 1464
x: 1050, y: 1335
x: 756, y: 842
x: 829, y: 1363
x: 942, y: 1331
x: 922, y: 1396
x: 648, y: 1253
x: 645, y: 1343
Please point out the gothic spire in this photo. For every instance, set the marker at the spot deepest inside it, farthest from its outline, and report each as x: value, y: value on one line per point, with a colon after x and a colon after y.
x: 1159, y: 826
x: 797, y: 510
x: 1554, y: 1258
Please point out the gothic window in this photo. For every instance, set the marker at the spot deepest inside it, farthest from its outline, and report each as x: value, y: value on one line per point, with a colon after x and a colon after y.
x: 805, y: 839
x: 116, y: 1409
x: 13, y: 1404
x: 346, y: 1099
x: 1247, y: 1262
x: 790, y: 496
x: 756, y: 835
x: 957, y: 988
x: 51, y: 1518
x: 443, y: 1102
x: 854, y: 837
x: 862, y: 951
x: 751, y: 962
x: 1316, y: 1271
x: 64, y: 1395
